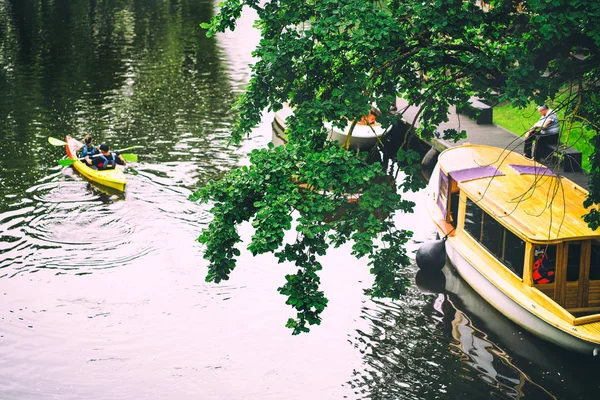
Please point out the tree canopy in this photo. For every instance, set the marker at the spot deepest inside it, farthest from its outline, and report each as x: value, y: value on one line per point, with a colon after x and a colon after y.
x: 331, y: 60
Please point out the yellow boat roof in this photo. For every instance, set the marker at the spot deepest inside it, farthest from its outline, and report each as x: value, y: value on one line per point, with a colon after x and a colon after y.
x: 539, y: 208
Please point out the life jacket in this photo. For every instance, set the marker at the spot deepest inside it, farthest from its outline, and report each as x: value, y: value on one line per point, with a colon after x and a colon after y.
x: 106, y: 163
x: 89, y: 150
x: 369, y: 119
x: 541, y: 274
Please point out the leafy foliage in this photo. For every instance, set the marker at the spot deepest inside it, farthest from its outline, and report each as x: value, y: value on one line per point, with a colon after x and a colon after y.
x: 330, y: 60
x: 268, y: 193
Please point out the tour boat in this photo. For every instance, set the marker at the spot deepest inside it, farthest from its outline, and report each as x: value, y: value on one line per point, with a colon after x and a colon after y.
x: 365, y: 134
x: 112, y: 178
x: 516, y: 235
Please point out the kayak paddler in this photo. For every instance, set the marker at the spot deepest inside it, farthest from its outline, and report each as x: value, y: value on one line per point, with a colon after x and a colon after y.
x: 88, y: 148
x: 106, y: 159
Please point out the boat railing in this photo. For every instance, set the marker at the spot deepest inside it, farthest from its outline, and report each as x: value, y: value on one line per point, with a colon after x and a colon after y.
x: 588, y: 319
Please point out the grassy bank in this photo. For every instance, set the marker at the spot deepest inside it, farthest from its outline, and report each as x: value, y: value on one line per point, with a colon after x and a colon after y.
x: 520, y: 120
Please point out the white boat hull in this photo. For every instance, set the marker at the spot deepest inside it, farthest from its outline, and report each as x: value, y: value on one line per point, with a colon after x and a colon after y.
x: 514, y: 311
x: 363, y: 137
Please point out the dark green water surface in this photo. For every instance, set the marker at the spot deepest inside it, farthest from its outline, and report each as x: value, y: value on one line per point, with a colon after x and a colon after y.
x: 102, y: 296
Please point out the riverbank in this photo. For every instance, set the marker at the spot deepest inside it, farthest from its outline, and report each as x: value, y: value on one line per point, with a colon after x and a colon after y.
x: 520, y: 120
x: 491, y: 135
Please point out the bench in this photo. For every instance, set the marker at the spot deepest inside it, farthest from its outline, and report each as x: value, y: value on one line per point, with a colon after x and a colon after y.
x: 572, y: 157
x: 477, y: 110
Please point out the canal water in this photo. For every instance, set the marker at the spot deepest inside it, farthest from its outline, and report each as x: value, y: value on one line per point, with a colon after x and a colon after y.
x: 102, y: 296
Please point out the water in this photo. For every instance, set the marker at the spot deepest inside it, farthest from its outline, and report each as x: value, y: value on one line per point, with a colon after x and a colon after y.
x: 103, y: 295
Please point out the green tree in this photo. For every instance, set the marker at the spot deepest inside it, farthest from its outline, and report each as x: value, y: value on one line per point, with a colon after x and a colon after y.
x: 332, y: 59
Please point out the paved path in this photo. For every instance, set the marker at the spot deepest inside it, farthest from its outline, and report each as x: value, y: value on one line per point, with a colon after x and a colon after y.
x: 491, y: 135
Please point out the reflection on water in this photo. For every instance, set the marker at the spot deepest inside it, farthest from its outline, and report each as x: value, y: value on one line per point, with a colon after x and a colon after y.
x: 103, y: 294
x: 445, y: 341
x: 493, y: 365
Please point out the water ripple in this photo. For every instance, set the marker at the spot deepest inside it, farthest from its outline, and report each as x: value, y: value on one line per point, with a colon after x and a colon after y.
x: 69, y: 227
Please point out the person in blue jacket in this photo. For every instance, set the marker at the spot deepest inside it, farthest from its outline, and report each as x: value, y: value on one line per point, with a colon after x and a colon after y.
x: 88, y: 148
x: 105, y: 160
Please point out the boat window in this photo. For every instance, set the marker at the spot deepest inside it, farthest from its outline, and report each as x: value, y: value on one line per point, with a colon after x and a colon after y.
x: 443, y: 193
x: 514, y: 253
x: 473, y: 219
x: 595, y: 261
x: 454, y: 201
x: 573, y: 261
x: 544, y: 264
x: 492, y: 235
x: 507, y: 247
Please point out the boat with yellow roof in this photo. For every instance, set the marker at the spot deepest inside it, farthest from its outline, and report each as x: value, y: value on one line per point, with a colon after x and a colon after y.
x: 514, y: 231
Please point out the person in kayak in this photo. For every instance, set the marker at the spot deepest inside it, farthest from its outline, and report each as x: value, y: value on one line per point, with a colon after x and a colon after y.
x: 105, y: 160
x: 88, y: 148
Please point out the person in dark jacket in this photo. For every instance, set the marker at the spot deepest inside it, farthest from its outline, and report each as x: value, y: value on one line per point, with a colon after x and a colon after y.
x: 88, y: 148
x: 105, y: 160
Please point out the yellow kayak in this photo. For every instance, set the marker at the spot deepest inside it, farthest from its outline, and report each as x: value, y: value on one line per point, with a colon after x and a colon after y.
x: 112, y: 178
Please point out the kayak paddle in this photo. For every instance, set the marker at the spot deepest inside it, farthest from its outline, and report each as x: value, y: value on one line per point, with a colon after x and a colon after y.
x: 128, y: 148
x: 57, y: 142
x: 66, y: 162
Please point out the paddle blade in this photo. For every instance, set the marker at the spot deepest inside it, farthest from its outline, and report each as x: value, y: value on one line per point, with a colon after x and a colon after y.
x: 129, y: 148
x: 66, y: 162
x: 56, y: 142
x: 130, y: 157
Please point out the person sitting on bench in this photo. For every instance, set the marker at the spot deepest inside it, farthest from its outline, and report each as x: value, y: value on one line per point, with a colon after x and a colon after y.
x: 544, y: 132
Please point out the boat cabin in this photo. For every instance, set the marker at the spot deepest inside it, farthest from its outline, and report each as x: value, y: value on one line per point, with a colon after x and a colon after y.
x: 523, y: 225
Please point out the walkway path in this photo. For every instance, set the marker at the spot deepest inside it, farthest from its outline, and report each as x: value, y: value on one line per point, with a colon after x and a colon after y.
x: 492, y: 135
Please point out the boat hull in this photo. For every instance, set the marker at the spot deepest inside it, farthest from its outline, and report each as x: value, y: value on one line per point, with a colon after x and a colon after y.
x: 466, y: 301
x: 112, y: 178
x: 363, y: 137
x: 514, y: 311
